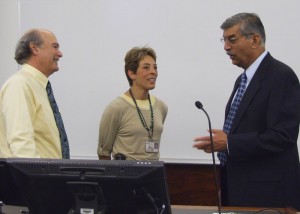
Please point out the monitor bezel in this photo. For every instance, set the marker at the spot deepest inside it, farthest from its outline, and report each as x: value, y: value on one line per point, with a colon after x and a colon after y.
x: 33, y: 175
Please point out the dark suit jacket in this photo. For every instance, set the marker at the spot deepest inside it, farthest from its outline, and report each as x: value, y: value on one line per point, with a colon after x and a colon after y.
x: 263, y: 162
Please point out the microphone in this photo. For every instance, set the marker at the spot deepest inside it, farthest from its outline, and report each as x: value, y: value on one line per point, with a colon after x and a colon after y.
x: 200, y: 106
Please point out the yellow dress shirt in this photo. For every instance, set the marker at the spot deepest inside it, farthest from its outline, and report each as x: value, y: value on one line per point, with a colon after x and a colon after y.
x: 27, y: 124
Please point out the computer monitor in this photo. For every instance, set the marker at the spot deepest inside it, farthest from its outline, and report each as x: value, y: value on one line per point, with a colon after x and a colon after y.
x: 9, y: 193
x: 92, y: 186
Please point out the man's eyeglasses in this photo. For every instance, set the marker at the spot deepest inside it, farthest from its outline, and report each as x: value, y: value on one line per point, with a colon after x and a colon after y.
x: 231, y: 39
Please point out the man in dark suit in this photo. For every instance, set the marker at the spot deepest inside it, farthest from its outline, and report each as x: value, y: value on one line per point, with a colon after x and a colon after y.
x: 257, y: 148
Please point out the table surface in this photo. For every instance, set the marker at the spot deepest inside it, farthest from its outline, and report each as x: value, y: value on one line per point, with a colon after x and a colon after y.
x: 182, y: 209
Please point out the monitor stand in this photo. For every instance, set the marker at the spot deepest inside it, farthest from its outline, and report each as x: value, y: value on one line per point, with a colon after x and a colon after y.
x: 88, y: 198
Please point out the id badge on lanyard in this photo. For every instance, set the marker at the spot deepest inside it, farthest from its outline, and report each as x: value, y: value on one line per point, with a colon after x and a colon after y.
x: 152, y: 146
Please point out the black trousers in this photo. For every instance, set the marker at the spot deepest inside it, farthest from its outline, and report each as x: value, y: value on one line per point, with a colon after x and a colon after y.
x: 223, y: 185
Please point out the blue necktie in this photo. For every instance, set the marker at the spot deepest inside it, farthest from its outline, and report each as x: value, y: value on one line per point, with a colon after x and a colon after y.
x: 59, y: 122
x: 231, y: 115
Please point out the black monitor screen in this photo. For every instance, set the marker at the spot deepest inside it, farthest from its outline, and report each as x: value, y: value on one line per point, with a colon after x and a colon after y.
x: 91, y: 186
x: 9, y: 193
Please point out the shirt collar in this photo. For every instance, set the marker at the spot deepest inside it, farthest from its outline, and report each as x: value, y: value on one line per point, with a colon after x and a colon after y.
x: 141, y: 103
x: 253, y: 67
x: 37, y: 74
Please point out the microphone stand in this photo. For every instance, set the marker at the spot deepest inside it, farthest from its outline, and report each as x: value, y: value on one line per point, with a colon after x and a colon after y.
x: 200, y: 106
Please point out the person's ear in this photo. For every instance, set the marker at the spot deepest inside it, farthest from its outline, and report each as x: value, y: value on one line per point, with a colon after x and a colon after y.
x: 131, y: 74
x: 256, y: 40
x: 34, y: 49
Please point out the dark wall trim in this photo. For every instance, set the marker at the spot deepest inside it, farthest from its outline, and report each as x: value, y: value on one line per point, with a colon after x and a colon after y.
x: 191, y: 184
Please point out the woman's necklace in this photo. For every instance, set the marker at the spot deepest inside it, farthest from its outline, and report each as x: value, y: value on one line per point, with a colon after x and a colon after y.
x: 149, y: 130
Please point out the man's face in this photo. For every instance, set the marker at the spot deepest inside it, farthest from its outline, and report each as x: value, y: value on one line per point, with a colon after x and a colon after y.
x: 238, y: 47
x: 49, y: 53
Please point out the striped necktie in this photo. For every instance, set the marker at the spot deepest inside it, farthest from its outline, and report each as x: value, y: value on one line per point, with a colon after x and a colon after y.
x: 231, y: 115
x: 59, y: 122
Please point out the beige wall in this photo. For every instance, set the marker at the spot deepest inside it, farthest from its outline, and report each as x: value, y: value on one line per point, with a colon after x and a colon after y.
x: 9, y: 34
x: 94, y: 36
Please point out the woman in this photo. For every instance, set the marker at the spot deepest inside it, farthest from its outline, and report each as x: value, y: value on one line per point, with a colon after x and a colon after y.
x: 132, y: 124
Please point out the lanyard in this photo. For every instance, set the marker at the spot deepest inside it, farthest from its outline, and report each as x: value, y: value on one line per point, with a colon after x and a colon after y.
x: 149, y: 130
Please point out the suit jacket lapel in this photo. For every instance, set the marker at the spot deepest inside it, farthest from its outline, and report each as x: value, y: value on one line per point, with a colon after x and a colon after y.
x: 250, y: 92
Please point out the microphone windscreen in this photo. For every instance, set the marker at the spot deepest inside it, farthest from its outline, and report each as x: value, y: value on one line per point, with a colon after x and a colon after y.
x: 198, y: 104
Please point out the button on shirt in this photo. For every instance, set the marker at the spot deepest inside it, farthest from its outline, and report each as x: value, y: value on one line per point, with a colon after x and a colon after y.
x: 27, y: 124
